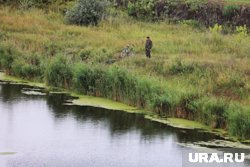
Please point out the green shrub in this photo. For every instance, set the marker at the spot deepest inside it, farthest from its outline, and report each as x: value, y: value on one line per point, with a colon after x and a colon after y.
x: 143, y: 9
x: 230, y: 11
x: 86, y: 78
x: 164, y: 105
x: 239, y: 121
x: 112, y: 83
x: 6, y: 58
x: 86, y: 12
x: 210, y: 111
x: 115, y: 83
x: 219, y: 114
x: 195, y: 4
x: 122, y: 84
x: 26, y: 70
x: 59, y: 72
x: 132, y: 11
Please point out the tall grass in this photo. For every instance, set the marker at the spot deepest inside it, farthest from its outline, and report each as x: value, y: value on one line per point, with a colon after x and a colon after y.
x: 194, y: 75
x: 115, y: 83
x: 239, y: 120
x: 59, y: 72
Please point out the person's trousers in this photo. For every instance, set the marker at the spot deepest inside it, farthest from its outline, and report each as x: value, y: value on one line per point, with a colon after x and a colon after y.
x: 148, y: 53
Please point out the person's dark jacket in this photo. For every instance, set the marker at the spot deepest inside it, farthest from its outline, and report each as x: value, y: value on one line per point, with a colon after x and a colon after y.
x: 149, y: 44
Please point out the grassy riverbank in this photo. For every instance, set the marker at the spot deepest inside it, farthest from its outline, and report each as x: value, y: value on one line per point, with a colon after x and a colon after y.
x: 196, y: 74
x: 84, y: 100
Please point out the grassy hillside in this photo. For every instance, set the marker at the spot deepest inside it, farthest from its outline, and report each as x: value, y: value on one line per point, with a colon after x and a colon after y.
x: 197, y: 74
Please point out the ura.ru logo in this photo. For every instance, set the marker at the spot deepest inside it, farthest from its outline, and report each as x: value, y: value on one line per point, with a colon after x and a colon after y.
x: 215, y: 158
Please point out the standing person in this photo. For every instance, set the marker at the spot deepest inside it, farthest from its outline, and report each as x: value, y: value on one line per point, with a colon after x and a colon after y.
x: 148, y: 47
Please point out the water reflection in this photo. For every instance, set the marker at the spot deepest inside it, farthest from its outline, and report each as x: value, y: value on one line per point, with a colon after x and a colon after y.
x: 121, y: 122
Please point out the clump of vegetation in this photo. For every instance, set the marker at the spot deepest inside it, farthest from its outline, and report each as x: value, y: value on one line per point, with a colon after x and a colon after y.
x: 216, y: 29
x: 114, y: 83
x: 143, y: 9
x: 30, y: 3
x: 206, y: 12
x: 242, y: 30
x: 59, y: 72
x: 164, y: 105
x: 86, y: 12
x: 7, y: 57
x: 26, y: 70
x: 217, y: 113
x: 230, y: 11
x: 232, y: 86
x: 181, y: 68
x: 239, y: 120
x: 192, y: 23
x: 210, y: 111
x: 87, y: 80
x: 195, y: 5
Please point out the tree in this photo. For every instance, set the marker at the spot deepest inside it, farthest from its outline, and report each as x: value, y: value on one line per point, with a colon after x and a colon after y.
x: 86, y: 12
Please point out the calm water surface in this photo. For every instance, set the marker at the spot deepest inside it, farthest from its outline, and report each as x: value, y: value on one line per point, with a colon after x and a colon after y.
x: 40, y: 131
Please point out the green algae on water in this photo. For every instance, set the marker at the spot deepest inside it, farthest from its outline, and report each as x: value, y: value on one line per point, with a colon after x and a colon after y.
x: 7, y: 153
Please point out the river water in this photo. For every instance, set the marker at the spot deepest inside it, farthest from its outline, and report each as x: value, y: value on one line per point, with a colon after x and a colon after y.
x: 41, y: 131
